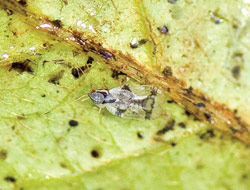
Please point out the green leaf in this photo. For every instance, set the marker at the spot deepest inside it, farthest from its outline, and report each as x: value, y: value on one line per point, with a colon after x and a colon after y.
x: 54, y: 137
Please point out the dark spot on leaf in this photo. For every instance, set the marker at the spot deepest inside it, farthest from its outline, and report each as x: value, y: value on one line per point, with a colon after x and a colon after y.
x: 244, y: 176
x: 196, y: 119
x: 63, y: 165
x: 207, y: 116
x: 57, y: 23
x: 189, y: 90
x: 77, y: 72
x: 167, y: 72
x: 169, y: 126
x: 208, y: 134
x: 173, y: 144
x: 13, y: 127
x: 14, y: 33
x: 47, y: 45
x: 236, y: 71
x: 9, y: 12
x: 163, y: 29
x: 43, y: 95
x: 10, y: 179
x: 95, y: 153
x: 188, y: 113
x: 182, y: 125
x: 65, y: 2
x: 3, y: 154
x: 90, y: 60
x: 22, y: 2
x: 75, y: 53
x: 143, y: 41
x: 140, y: 135
x: 73, y: 123
x: 22, y: 66
x: 115, y: 74
x: 170, y: 101
x: 55, y: 78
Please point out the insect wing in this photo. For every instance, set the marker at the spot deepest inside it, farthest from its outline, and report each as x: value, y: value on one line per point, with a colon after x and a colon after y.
x: 150, y: 106
x: 134, y: 112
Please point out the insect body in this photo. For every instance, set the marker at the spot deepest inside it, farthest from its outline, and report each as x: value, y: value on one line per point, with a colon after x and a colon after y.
x: 134, y: 101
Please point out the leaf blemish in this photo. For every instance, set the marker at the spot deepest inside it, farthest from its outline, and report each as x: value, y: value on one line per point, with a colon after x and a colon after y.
x: 10, y: 179
x: 22, y: 2
x: 77, y: 72
x: 90, y: 60
x: 3, y: 154
x: 169, y: 126
x: 95, y: 153
x: 73, y: 123
x: 54, y: 79
x: 140, y: 135
x: 22, y: 66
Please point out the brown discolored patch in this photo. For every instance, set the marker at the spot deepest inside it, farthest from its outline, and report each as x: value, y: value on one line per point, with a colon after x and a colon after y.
x: 167, y: 72
x: 90, y: 60
x: 57, y: 23
x: 55, y: 78
x: 140, y: 135
x: 22, y: 66
x: 3, y: 154
x: 10, y: 179
x: 207, y: 116
x: 143, y: 41
x: 116, y: 74
x: 63, y: 165
x: 47, y: 45
x: 208, y: 134
x: 173, y: 144
x: 77, y: 72
x: 182, y: 125
x: 236, y: 71
x: 169, y: 126
x: 22, y: 2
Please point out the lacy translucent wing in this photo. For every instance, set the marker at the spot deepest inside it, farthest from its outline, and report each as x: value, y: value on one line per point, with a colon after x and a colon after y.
x: 131, y: 101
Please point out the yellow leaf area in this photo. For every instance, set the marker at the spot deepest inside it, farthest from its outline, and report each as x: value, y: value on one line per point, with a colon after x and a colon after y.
x: 54, y: 137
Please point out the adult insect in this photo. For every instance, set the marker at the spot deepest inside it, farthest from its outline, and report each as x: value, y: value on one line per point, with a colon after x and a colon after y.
x: 130, y: 101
